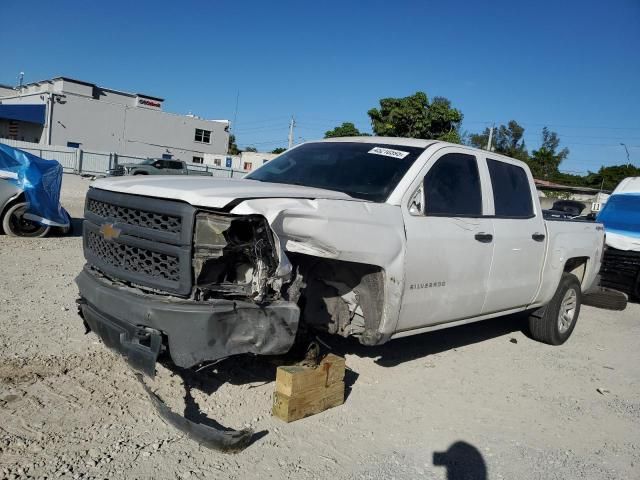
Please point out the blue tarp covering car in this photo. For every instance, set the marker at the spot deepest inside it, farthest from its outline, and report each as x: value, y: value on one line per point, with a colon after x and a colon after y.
x: 621, y: 214
x: 40, y: 180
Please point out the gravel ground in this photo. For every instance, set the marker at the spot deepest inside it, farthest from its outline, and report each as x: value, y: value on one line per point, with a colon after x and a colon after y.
x: 479, y: 401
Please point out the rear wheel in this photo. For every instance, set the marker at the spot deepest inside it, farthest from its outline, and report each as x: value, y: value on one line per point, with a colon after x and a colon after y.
x: 554, y: 323
x: 15, y: 225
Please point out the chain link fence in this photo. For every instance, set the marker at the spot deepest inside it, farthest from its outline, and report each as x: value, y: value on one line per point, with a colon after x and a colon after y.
x: 79, y: 161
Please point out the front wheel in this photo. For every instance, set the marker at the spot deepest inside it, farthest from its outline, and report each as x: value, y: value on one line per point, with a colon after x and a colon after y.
x: 14, y: 224
x: 554, y: 323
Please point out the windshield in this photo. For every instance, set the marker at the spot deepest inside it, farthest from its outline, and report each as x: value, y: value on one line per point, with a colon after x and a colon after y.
x: 148, y: 161
x: 361, y: 170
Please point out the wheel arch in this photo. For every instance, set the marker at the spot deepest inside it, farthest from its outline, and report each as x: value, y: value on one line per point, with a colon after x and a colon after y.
x: 577, y: 266
x: 330, y: 290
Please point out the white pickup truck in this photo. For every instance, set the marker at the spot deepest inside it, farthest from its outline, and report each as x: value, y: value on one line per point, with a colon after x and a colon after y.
x: 370, y: 237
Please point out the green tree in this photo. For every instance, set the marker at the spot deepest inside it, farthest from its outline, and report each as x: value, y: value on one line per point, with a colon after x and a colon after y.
x: 507, y: 140
x: 545, y: 162
x: 347, y: 129
x: 233, y: 147
x: 278, y: 150
x: 608, y: 178
x: 415, y: 117
x: 251, y: 149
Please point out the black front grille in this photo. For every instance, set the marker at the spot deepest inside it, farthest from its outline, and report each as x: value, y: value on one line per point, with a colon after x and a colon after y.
x: 134, y: 259
x: 135, y: 216
x: 620, y: 270
x: 141, y: 240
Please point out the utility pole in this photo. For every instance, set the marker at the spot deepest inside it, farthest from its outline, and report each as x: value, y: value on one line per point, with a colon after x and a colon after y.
x: 21, y: 81
x: 292, y: 124
x: 490, y: 137
x: 235, y: 113
x: 626, y: 150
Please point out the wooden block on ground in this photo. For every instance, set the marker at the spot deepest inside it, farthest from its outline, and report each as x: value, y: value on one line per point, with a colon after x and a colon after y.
x: 303, y: 391
x: 292, y: 380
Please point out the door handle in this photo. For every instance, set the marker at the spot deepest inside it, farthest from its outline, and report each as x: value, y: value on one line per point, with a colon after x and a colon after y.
x: 484, y: 237
x: 538, y: 237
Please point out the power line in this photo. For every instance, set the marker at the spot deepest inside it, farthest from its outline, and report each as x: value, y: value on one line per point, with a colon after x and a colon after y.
x: 262, y: 129
x: 556, y: 125
x: 266, y: 120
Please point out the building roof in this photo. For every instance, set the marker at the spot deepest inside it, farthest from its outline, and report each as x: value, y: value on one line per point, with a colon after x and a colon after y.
x: 89, y: 84
x: 547, y: 185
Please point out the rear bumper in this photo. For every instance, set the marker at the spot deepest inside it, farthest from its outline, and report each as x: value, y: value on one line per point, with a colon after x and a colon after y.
x: 137, y: 324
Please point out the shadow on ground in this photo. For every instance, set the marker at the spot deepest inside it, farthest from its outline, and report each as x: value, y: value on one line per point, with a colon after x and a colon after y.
x: 463, y: 461
x: 244, y: 369
x: 406, y: 349
x: 75, y: 231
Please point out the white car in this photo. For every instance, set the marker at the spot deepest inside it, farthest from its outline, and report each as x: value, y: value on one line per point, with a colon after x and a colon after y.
x: 371, y: 237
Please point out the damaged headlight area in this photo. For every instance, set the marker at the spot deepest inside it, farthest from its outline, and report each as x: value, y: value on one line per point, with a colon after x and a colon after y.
x: 235, y: 257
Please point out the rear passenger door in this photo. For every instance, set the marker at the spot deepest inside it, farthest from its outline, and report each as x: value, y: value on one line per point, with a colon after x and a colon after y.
x: 519, y: 237
x: 449, y: 241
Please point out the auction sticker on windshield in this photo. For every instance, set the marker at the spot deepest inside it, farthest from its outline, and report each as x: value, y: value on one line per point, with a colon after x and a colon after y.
x: 388, y: 152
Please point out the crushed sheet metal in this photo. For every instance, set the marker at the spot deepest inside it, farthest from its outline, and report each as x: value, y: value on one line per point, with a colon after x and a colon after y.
x: 223, y: 440
x: 330, y: 228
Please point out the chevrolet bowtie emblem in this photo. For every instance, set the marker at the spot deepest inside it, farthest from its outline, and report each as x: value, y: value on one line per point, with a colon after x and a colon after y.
x: 109, y: 232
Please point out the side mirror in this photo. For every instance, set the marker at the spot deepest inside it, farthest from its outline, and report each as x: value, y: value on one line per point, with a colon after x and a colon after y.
x: 416, y: 203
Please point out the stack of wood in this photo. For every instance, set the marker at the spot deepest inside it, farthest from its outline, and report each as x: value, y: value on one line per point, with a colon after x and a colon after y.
x: 302, y: 391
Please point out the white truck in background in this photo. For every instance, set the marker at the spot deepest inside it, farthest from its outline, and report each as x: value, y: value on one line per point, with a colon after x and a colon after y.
x: 621, y: 219
x: 370, y: 237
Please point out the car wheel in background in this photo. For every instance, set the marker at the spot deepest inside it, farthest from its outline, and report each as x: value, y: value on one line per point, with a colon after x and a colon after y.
x: 554, y: 323
x: 15, y: 225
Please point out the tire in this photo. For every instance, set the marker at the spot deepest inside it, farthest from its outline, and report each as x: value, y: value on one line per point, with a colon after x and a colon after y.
x: 15, y: 225
x: 554, y: 323
x: 606, y: 298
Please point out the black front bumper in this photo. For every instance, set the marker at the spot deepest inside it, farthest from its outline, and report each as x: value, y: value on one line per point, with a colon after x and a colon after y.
x: 137, y: 324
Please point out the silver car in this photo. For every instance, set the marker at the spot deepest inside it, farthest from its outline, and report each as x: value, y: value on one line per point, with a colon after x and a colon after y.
x: 13, y: 205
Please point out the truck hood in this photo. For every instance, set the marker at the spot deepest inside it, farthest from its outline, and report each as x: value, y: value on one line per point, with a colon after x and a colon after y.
x: 211, y: 192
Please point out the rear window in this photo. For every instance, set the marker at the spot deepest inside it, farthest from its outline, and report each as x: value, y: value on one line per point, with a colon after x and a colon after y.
x: 368, y: 171
x: 511, y: 192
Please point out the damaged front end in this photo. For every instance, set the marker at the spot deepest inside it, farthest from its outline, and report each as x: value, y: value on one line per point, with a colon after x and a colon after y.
x: 207, y: 285
x: 237, y: 257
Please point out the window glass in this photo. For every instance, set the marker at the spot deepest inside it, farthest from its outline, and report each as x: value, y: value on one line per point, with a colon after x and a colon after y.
x: 368, y: 171
x: 175, y: 165
x: 198, y: 159
x: 452, y: 186
x: 203, y: 136
x: 511, y: 191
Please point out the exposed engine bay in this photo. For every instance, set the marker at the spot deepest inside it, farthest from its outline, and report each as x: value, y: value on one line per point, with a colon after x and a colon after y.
x: 239, y: 257
x: 235, y: 257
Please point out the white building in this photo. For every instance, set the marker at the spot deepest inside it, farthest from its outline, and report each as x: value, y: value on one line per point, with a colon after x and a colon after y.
x: 246, y: 161
x: 67, y: 112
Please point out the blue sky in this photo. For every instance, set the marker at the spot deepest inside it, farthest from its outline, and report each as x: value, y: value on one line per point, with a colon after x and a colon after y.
x: 571, y: 64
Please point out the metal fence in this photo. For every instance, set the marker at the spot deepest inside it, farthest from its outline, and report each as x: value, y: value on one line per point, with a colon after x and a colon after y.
x: 79, y: 161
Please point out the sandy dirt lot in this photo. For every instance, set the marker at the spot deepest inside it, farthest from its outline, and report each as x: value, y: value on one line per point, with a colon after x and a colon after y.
x: 480, y: 401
